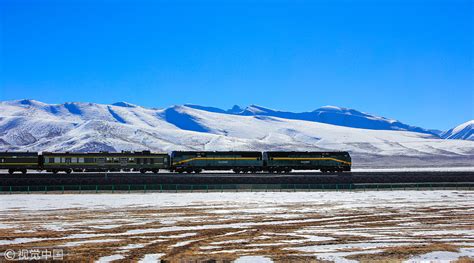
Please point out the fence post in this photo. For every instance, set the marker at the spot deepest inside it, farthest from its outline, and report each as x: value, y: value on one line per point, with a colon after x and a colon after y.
x: 192, y: 188
x: 207, y: 188
x: 80, y: 189
x: 144, y: 188
x: 113, y: 188
x: 62, y: 188
x: 28, y: 189
x: 45, y: 189
x: 10, y: 189
x: 128, y: 188
x: 96, y: 189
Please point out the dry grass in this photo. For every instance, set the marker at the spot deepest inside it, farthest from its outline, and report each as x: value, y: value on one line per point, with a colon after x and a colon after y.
x: 230, y: 233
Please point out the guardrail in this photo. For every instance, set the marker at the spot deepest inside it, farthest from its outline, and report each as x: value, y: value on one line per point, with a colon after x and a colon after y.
x: 166, y: 188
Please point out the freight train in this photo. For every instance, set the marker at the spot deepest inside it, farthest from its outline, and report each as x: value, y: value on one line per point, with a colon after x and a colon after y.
x: 178, y: 161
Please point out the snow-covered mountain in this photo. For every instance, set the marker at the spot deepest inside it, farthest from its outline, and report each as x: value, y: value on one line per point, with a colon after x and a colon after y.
x: 36, y: 126
x: 464, y: 131
x: 338, y: 116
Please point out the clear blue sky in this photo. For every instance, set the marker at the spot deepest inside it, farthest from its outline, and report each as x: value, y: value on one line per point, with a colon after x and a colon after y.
x: 409, y: 60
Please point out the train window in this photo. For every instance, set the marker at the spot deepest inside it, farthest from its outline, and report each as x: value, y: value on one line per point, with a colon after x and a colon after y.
x: 68, y: 160
x: 2, y: 160
x: 80, y: 160
x: 74, y: 160
x: 131, y: 160
x: 89, y: 160
x: 57, y: 159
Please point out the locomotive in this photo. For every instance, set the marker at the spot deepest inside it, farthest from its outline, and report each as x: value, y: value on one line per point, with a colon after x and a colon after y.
x: 178, y: 161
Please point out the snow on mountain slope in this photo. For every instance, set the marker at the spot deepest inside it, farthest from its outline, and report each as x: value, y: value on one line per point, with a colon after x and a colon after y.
x: 35, y: 126
x: 339, y: 116
x: 464, y: 131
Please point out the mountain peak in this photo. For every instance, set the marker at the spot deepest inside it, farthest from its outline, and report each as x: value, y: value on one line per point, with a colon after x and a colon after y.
x: 256, y: 110
x: 464, y: 131
x: 28, y: 102
x: 124, y: 104
x: 236, y: 109
x: 332, y: 108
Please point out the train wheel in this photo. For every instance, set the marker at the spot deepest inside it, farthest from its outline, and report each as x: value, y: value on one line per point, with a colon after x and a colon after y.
x: 236, y: 171
x: 142, y: 171
x: 156, y: 171
x: 11, y: 171
x: 287, y: 170
x: 198, y: 171
x: 68, y: 171
x: 55, y: 171
x: 23, y: 171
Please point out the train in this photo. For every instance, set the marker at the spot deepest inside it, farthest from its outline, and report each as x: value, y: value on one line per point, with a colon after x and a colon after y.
x: 177, y: 161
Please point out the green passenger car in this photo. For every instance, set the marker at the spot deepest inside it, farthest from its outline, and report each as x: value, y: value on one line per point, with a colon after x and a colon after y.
x: 104, y: 161
x: 324, y: 161
x: 19, y: 161
x: 190, y: 161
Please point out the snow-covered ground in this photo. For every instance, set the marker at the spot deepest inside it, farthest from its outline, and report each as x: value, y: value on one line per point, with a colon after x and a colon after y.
x: 272, y: 226
x: 35, y: 126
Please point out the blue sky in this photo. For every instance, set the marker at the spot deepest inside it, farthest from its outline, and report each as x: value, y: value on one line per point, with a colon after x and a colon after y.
x: 409, y: 60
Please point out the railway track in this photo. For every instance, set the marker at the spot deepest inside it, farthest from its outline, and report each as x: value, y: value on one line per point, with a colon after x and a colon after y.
x: 230, y: 178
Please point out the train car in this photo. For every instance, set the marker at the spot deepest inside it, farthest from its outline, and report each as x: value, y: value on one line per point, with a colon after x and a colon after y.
x: 19, y: 161
x: 193, y: 161
x: 104, y: 161
x: 324, y: 161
